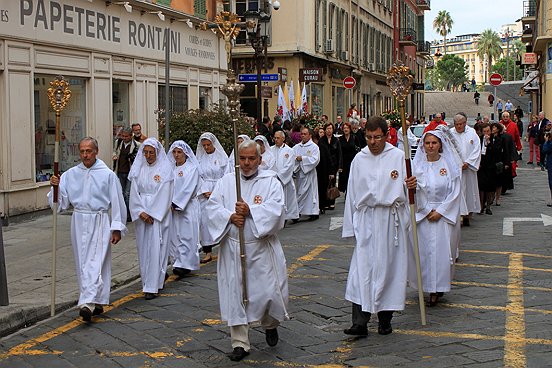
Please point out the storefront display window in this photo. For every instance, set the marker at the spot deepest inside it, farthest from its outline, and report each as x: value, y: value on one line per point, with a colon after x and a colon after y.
x: 317, y: 99
x: 340, y: 102
x: 72, y: 126
x: 178, y: 98
x: 121, y: 110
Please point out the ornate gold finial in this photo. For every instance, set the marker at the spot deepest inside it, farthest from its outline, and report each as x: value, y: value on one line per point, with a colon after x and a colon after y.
x: 59, y: 93
x: 400, y: 81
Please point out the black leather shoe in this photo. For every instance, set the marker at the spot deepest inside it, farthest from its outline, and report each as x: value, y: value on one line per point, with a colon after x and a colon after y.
x: 86, y: 314
x: 384, y: 328
x: 272, y: 336
x: 313, y: 217
x: 238, y: 354
x: 294, y: 221
x: 466, y: 221
x: 384, y: 322
x: 97, y: 310
x: 180, y: 272
x: 488, y: 211
x: 150, y: 296
x: 356, y: 330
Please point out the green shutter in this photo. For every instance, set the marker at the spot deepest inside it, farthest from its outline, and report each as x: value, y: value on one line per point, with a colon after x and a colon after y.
x: 164, y: 2
x: 200, y: 9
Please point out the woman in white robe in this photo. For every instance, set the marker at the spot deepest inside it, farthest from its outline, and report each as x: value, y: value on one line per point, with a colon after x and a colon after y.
x: 438, y: 198
x: 150, y: 201
x: 212, y: 163
x: 231, y: 162
x: 185, y: 206
x: 268, y: 161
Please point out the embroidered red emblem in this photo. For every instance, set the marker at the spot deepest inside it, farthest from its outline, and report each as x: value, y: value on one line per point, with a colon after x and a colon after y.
x: 394, y: 174
x: 157, y: 178
x: 443, y: 171
x: 258, y: 199
x: 180, y: 173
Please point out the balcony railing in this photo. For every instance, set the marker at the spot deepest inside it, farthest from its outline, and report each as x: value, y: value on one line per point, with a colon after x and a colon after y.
x: 423, y: 47
x: 423, y: 4
x: 529, y: 8
x: 408, y: 35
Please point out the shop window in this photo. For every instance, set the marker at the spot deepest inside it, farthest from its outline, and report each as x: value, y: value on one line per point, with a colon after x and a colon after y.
x: 340, y: 101
x: 178, y: 98
x: 241, y: 7
x: 204, y: 98
x: 121, y: 109
x: 72, y: 126
x: 317, y: 98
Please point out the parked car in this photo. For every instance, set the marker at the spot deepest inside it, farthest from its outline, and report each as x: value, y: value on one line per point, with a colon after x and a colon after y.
x: 418, y: 130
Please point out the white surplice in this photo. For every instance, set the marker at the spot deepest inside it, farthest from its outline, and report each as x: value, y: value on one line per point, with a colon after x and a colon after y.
x: 307, y: 181
x: 284, y: 166
x: 185, y: 217
x: 267, y: 286
x: 438, y: 241
x: 152, y: 194
x: 213, y: 167
x: 377, y: 215
x: 469, y: 144
x: 92, y: 192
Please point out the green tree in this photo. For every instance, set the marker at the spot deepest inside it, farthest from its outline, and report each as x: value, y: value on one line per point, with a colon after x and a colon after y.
x: 501, y: 64
x: 451, y: 71
x: 442, y: 24
x: 189, y: 126
x: 489, y: 45
x: 518, y: 48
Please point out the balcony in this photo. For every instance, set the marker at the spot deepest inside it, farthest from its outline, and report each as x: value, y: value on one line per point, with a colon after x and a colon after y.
x: 423, y: 4
x: 527, y: 35
x: 423, y: 47
x: 407, y: 37
x: 529, y: 11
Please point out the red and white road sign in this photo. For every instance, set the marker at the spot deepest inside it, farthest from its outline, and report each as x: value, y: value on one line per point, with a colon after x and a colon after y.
x: 495, y: 79
x: 349, y: 82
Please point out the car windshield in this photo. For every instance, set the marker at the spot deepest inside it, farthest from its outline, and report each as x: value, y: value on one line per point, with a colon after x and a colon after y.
x: 418, y: 130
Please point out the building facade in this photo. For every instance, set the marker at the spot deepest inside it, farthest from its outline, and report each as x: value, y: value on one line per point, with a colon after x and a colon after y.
x: 113, y: 55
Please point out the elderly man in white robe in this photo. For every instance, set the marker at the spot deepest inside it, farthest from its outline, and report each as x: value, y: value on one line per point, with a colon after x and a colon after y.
x: 307, y: 157
x: 212, y: 162
x: 470, y: 151
x: 92, y: 189
x: 285, y: 164
x: 150, y: 202
x: 185, y: 207
x: 437, y: 213
x: 260, y: 213
x: 377, y: 215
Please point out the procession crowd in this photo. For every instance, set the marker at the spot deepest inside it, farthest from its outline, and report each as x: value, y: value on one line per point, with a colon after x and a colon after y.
x: 183, y: 201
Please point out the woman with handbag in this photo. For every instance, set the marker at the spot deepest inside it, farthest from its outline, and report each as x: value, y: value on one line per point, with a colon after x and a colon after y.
x: 504, y: 146
x: 330, y: 163
x: 490, y: 168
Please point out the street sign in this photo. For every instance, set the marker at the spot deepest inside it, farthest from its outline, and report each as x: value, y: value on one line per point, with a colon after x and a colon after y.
x: 529, y: 58
x: 349, y: 82
x: 253, y: 77
x: 495, y: 79
x: 311, y: 74
x: 266, y: 92
x: 418, y: 86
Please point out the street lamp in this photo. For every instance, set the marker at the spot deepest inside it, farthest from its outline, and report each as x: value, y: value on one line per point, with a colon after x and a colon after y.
x: 258, y: 36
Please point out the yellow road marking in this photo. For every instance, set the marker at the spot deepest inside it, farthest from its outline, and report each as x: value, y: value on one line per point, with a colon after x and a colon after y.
x: 478, y: 265
x: 514, y: 340
x: 306, y: 258
x: 506, y: 253
x: 500, y: 286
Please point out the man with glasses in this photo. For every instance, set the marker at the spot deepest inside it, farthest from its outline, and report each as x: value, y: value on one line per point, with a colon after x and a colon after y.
x: 377, y: 201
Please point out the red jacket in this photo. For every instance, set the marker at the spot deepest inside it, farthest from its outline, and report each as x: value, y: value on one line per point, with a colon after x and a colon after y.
x: 392, y: 136
x: 512, y: 129
x: 433, y: 125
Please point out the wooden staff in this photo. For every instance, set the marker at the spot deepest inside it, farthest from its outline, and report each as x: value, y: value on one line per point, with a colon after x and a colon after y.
x: 58, y: 94
x: 400, y: 81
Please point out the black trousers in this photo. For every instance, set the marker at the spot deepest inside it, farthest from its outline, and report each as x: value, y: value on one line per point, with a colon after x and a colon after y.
x: 362, y: 318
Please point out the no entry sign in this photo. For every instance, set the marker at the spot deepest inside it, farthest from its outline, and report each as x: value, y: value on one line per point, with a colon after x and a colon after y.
x: 349, y: 82
x: 495, y: 79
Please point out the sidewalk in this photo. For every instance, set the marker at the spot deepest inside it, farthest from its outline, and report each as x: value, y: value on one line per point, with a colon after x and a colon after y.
x: 28, y: 255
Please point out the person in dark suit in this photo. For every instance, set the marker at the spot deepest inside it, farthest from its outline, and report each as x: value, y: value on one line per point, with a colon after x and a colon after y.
x: 543, y: 121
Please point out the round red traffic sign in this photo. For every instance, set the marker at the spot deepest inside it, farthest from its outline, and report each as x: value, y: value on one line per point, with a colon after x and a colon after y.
x: 495, y: 79
x: 349, y: 82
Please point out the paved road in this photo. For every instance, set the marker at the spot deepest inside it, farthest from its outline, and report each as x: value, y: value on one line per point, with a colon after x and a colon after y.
x: 499, y: 312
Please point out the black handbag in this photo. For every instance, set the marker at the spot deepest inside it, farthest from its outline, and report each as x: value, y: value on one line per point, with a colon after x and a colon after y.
x: 333, y: 192
x: 499, y: 167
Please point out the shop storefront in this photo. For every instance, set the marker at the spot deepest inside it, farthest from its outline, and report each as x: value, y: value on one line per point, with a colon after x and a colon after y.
x: 114, y: 61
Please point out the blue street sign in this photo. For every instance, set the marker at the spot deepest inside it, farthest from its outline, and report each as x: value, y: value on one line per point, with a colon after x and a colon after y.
x: 253, y: 77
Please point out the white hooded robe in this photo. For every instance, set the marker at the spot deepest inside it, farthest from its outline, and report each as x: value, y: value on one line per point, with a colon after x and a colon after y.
x: 307, y: 181
x: 470, y: 147
x: 285, y: 164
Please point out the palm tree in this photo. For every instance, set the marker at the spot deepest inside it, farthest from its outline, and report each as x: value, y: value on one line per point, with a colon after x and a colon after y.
x: 442, y: 24
x: 517, y: 47
x: 490, y: 45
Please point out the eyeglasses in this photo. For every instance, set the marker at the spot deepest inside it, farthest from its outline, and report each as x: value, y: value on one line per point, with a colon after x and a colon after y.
x: 376, y: 138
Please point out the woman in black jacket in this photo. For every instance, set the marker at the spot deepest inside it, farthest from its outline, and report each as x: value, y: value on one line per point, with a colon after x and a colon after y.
x: 505, y: 144
x: 349, y: 148
x: 330, y: 163
x: 490, y: 167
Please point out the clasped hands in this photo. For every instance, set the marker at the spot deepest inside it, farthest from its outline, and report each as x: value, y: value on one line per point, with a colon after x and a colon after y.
x: 241, y: 212
x: 434, y: 216
x: 146, y: 218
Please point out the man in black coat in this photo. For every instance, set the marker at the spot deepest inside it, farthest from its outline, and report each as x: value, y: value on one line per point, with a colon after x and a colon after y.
x: 264, y: 128
x: 540, y: 136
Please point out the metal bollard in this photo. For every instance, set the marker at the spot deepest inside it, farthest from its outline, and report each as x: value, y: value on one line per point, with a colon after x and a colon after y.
x: 4, y: 300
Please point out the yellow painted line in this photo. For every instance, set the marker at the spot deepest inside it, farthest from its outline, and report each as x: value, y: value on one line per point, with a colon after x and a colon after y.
x: 472, y: 306
x: 506, y: 253
x: 211, y: 322
x: 306, y: 258
x: 514, y: 340
x: 441, y: 334
x: 500, y: 286
x: 288, y: 364
x: 478, y: 265
x: 537, y: 269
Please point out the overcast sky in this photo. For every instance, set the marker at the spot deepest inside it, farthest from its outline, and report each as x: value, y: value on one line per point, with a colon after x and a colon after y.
x: 473, y: 16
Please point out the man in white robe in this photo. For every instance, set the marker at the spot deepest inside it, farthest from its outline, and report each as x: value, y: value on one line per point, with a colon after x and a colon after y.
x: 150, y: 202
x: 470, y: 151
x: 377, y: 215
x: 285, y: 164
x: 307, y: 157
x: 92, y: 189
x: 261, y: 215
x: 185, y: 209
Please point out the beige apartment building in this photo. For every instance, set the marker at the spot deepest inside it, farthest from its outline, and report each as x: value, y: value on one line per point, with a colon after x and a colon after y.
x: 112, y: 53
